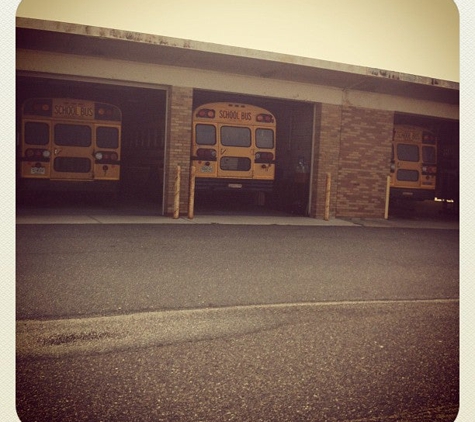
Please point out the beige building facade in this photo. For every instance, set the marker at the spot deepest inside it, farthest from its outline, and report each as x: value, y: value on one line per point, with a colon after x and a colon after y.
x: 338, y: 118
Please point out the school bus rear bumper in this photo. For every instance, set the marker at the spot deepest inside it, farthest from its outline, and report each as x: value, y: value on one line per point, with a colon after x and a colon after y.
x: 203, y: 183
x: 68, y: 185
x: 415, y: 194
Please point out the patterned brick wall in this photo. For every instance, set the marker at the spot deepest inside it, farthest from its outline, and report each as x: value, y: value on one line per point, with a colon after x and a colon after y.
x: 365, y: 152
x: 180, y: 102
x: 327, y: 148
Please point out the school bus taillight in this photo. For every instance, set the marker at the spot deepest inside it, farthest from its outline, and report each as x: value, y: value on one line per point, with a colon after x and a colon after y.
x: 206, y: 154
x: 37, y: 154
x: 266, y: 118
x: 206, y: 113
x: 41, y: 108
x: 264, y: 157
x: 429, y: 170
x: 103, y: 157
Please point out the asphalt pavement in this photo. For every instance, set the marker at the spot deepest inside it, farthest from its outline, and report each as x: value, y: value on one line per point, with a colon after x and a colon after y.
x: 365, y: 361
x: 137, y: 317
x: 80, y: 270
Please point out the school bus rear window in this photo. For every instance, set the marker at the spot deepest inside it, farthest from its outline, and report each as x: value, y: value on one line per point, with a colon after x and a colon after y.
x: 72, y: 165
x: 205, y: 135
x: 264, y: 138
x: 107, y: 137
x: 36, y: 133
x: 408, y: 175
x: 235, y: 136
x: 235, y: 163
x: 72, y: 135
x: 407, y: 152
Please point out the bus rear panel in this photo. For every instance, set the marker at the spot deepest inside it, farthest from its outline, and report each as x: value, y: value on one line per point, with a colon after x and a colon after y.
x: 233, y: 147
x: 70, y: 144
x: 413, y: 167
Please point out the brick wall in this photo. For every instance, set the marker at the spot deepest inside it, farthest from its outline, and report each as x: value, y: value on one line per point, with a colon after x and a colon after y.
x: 363, y: 166
x: 326, y: 152
x: 180, y: 102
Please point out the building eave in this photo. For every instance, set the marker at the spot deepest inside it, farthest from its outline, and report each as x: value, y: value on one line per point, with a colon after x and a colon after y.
x: 70, y: 38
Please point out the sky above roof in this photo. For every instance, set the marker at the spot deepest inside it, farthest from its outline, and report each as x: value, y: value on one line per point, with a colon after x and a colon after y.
x: 418, y: 37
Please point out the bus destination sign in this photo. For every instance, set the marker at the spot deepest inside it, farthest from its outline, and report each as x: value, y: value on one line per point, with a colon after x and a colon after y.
x: 235, y: 115
x: 74, y: 110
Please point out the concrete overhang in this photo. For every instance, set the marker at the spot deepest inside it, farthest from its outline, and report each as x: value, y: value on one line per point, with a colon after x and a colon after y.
x: 67, y: 38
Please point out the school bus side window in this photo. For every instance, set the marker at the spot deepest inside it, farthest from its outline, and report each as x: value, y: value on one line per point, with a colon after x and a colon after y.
x: 264, y: 138
x: 407, y: 152
x: 107, y: 137
x: 72, y: 135
x: 36, y: 133
x: 235, y: 136
x: 205, y: 135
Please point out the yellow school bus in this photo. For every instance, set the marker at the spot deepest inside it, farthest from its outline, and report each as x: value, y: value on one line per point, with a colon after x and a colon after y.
x: 413, y: 167
x: 69, y: 144
x: 233, y: 147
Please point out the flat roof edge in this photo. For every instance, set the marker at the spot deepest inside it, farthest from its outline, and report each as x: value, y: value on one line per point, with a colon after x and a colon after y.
x: 205, y: 47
